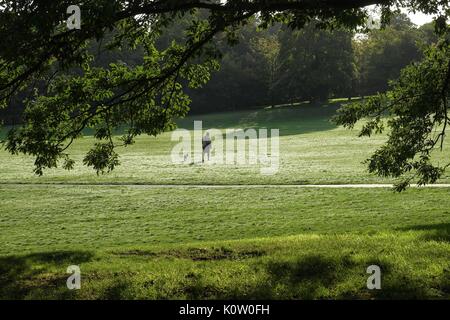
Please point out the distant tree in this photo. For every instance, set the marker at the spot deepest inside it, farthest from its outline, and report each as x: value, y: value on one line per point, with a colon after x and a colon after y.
x: 428, y: 34
x: 316, y: 64
x: 268, y: 49
x: 242, y: 80
x: 384, y: 53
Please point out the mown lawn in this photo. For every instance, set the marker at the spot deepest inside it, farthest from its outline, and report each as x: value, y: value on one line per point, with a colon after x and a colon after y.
x: 141, y: 241
x: 45, y: 218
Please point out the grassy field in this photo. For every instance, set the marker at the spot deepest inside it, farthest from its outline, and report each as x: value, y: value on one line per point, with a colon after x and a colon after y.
x: 312, y: 151
x: 138, y: 240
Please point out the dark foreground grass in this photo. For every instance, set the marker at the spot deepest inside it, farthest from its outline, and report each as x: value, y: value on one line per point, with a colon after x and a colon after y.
x: 413, y: 264
x: 264, y: 243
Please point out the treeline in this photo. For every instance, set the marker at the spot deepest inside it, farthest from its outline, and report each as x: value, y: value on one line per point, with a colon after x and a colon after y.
x: 281, y: 66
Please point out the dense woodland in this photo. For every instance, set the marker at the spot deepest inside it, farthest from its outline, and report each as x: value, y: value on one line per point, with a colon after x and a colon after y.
x: 280, y: 66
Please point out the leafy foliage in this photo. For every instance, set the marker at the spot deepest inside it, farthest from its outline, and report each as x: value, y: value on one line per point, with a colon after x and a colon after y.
x: 417, y: 110
x: 382, y: 54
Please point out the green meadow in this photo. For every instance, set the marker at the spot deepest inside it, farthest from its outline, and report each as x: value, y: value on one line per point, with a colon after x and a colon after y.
x: 156, y: 230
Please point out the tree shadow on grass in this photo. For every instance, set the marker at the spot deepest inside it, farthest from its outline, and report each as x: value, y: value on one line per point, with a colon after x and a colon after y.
x: 320, y: 277
x: 290, y: 120
x: 304, y: 278
x: 314, y: 276
x: 28, y: 276
x: 432, y: 232
x: 119, y: 289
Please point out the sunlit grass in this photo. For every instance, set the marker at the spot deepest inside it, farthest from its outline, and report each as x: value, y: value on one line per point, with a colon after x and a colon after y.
x: 312, y: 151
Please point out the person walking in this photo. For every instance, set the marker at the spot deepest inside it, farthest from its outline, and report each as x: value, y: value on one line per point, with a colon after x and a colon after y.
x: 206, y: 145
